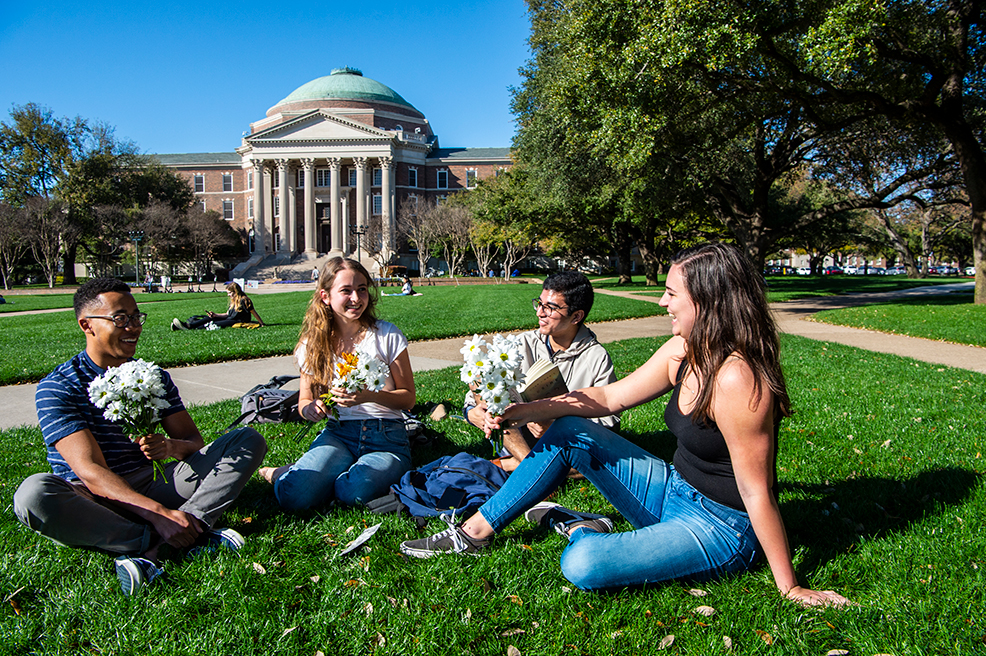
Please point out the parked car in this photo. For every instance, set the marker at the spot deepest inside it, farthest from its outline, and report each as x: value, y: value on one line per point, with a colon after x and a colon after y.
x: 849, y: 270
x: 970, y: 271
x: 804, y: 271
x: 875, y: 271
x: 895, y: 271
x: 832, y: 271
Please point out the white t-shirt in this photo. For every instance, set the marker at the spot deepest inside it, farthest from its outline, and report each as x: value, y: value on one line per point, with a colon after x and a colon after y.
x: 385, y: 342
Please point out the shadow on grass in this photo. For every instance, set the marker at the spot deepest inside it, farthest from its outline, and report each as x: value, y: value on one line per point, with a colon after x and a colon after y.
x: 831, y: 519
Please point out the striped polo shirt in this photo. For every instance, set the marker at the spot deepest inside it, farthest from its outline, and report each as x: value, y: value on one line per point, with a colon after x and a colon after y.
x: 63, y: 405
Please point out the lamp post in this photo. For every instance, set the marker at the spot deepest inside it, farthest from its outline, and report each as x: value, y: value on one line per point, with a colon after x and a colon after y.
x: 359, y: 231
x: 135, y: 237
x: 251, y: 235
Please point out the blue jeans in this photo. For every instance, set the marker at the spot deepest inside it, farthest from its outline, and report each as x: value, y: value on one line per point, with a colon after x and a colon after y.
x: 680, y: 534
x: 352, y: 461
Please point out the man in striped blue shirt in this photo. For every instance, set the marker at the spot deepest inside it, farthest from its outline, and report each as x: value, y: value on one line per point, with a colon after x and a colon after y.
x: 102, y: 492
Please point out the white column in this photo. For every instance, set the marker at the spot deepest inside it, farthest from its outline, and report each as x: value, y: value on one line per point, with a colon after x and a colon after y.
x: 311, y: 232
x: 344, y: 200
x: 269, y: 222
x: 387, y: 218
x: 337, y: 221
x: 259, y: 227
x: 361, y: 218
x: 282, y: 194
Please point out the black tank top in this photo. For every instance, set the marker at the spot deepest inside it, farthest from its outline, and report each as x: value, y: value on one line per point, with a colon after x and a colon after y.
x: 702, y: 457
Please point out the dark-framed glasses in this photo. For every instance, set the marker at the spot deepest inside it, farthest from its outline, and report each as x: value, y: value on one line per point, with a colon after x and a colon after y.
x: 549, y: 309
x: 122, y: 320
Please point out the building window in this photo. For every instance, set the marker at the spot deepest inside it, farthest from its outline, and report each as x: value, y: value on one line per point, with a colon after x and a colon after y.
x: 300, y: 173
x: 199, y: 181
x: 412, y: 177
x: 323, y: 178
x: 377, y: 204
x: 443, y: 179
x: 472, y: 176
x: 250, y: 207
x: 249, y: 179
x: 440, y: 199
x: 202, y: 205
x: 377, y: 177
x: 227, y: 182
x: 275, y: 180
x: 228, y: 210
x: 412, y: 202
x: 277, y: 206
x: 352, y: 177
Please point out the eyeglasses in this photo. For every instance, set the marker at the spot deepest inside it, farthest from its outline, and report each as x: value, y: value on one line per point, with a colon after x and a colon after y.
x: 122, y: 320
x: 550, y: 310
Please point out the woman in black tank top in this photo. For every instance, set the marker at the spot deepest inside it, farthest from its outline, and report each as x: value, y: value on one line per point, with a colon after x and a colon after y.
x: 714, y: 510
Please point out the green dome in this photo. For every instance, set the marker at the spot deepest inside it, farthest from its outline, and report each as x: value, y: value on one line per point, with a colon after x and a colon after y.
x: 346, y: 84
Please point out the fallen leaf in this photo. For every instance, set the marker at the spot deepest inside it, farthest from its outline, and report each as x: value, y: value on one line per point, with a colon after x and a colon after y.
x: 393, y: 602
x: 320, y: 653
x: 666, y: 641
x: 615, y: 634
x: 512, y: 632
x: 526, y: 546
x: 648, y: 614
x: 727, y: 642
x: 368, y: 609
x: 352, y: 583
x: 566, y: 590
x: 513, y: 651
x: 766, y: 637
x: 707, y: 611
x: 837, y: 652
x: 259, y: 569
x: 379, y: 640
x: 695, y: 592
x: 287, y: 631
x: 466, y: 616
x: 316, y: 578
x: 515, y: 599
x: 247, y: 520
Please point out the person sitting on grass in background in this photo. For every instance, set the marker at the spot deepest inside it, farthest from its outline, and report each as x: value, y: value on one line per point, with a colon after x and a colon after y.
x: 102, y: 492
x: 712, y: 513
x: 407, y: 289
x: 240, y: 311
x: 562, y: 337
x: 360, y: 454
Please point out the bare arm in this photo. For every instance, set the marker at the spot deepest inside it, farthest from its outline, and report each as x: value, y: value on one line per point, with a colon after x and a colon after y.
x: 651, y: 380
x: 747, y: 426
x: 402, y: 397
x: 257, y: 316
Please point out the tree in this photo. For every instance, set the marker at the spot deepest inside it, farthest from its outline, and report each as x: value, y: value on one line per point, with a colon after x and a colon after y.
x: 13, y: 241
x: 45, y: 221
x: 36, y: 150
x: 210, y: 235
x: 484, y: 238
x: 415, y: 223
x: 452, y: 220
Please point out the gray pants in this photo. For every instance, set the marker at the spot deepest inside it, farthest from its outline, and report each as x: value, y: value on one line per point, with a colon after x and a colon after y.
x: 203, y: 485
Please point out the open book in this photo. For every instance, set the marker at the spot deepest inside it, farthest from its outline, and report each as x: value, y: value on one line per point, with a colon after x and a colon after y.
x: 542, y: 381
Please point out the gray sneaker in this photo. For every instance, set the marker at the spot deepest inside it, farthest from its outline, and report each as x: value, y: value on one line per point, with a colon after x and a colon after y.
x: 134, y: 573
x: 451, y: 540
x: 563, y: 520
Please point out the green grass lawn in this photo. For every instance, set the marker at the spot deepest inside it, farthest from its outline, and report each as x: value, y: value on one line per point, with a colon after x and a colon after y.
x: 881, y: 474
x: 35, y: 344
x: 953, y: 318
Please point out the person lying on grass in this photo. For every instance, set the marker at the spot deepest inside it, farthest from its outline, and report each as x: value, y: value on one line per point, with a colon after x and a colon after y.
x: 103, y: 492
x: 240, y: 311
x: 711, y: 513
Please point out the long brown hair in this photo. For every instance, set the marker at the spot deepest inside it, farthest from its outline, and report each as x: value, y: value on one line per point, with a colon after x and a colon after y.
x: 732, y: 317
x: 318, y: 330
x: 239, y: 300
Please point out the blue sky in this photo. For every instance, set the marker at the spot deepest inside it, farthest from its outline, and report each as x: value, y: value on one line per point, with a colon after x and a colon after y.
x: 178, y: 77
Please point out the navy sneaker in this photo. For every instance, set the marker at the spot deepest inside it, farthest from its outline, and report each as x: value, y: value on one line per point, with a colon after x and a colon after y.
x: 564, y: 520
x: 134, y: 573
x: 217, y: 538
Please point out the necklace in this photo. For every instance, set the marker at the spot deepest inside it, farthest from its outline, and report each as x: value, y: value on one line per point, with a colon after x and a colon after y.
x: 348, y: 344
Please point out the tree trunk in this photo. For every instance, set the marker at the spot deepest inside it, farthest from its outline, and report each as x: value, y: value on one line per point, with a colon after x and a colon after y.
x: 68, y: 263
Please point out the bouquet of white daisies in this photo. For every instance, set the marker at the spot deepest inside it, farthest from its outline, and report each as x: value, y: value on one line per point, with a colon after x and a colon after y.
x: 493, y: 370
x: 133, y: 395
x: 357, y: 371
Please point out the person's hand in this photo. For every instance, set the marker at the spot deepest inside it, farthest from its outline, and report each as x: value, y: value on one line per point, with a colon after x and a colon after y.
x: 211, y: 315
x: 345, y: 399
x: 177, y: 528
x: 538, y: 429
x: 808, y: 597
x: 155, y: 446
x: 315, y: 411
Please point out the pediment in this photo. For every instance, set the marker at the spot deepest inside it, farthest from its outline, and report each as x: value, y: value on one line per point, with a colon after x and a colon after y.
x: 319, y: 126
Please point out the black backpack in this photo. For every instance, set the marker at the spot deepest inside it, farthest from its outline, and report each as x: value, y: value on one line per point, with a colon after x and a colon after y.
x: 268, y: 403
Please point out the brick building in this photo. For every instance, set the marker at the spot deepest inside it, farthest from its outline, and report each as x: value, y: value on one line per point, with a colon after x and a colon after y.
x: 337, y: 156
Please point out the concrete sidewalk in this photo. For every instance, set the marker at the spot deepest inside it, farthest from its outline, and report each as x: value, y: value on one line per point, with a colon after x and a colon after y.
x: 209, y: 383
